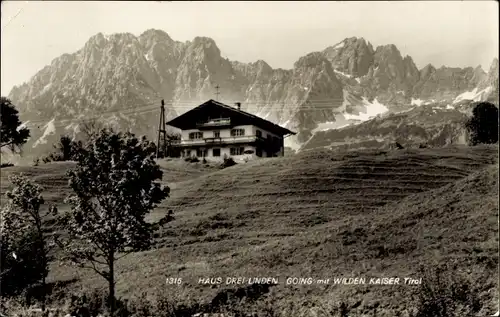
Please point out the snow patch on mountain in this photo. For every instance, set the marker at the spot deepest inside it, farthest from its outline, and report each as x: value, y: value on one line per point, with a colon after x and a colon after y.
x: 45, y: 88
x: 50, y: 129
x: 292, y: 143
x: 331, y: 125
x: 22, y: 125
x: 417, y: 102
x: 75, y: 128
x: 372, y: 109
x: 474, y: 95
x: 341, y: 73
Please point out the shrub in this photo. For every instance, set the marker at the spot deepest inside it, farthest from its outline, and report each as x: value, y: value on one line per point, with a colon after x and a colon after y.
x: 228, y: 162
x: 20, y: 265
x: 444, y: 292
x: 25, y: 248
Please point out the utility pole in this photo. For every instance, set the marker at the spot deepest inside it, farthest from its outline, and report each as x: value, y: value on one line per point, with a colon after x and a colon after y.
x: 162, y: 132
x: 217, y: 92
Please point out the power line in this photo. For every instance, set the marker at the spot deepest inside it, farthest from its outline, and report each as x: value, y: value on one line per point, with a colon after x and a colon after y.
x: 315, y: 104
x: 148, y: 108
x: 127, y: 110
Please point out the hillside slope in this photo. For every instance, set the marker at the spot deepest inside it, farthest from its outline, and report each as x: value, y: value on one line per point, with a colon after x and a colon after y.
x: 433, y: 125
x: 322, y: 214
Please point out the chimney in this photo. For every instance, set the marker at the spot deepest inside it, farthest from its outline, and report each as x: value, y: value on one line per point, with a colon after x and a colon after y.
x: 238, y: 105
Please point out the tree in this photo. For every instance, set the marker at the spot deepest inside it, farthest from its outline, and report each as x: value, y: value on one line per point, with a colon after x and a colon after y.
x: 483, y: 125
x: 67, y: 149
x: 90, y: 129
x: 114, y: 189
x: 24, y: 247
x: 172, y: 138
x: 12, y: 135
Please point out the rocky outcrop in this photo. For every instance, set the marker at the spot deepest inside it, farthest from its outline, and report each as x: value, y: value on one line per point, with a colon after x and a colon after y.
x: 429, y: 125
x: 353, y: 56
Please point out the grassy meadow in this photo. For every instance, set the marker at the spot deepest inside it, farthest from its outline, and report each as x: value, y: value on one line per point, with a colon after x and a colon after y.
x: 319, y: 214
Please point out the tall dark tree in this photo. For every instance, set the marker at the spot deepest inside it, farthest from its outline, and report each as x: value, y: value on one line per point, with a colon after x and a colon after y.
x: 483, y: 125
x: 115, y: 187
x: 13, y: 136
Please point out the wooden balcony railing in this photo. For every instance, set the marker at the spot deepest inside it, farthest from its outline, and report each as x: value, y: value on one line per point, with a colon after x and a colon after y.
x: 214, y: 122
x: 222, y: 140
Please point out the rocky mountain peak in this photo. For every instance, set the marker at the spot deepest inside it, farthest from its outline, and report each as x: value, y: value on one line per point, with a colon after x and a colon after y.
x: 159, y: 35
x: 427, y: 70
x: 353, y: 56
x: 314, y: 59
x: 262, y: 68
x: 388, y: 51
x: 494, y: 66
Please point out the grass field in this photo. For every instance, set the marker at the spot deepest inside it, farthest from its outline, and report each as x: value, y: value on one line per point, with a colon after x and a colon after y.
x: 318, y: 214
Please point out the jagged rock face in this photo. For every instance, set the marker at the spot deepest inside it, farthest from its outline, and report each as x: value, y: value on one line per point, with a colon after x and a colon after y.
x: 446, y: 82
x: 353, y: 56
x: 490, y: 82
x: 118, y: 77
x: 391, y: 77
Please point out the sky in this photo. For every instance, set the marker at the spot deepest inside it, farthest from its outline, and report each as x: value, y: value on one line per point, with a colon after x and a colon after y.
x: 450, y: 33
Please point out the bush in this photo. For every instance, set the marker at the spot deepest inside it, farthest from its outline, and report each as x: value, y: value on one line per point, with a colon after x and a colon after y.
x: 228, y: 162
x: 21, y: 267
x: 65, y: 150
x: 6, y: 164
x: 444, y: 292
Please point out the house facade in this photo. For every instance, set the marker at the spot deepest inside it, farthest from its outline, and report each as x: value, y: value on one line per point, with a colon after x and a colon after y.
x: 214, y: 130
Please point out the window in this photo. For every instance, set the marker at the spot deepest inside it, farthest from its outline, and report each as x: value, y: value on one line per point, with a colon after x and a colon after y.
x: 195, y: 135
x: 201, y: 153
x: 237, y: 132
x: 216, y: 134
x: 216, y: 152
x: 258, y: 152
x: 258, y: 133
x: 237, y: 150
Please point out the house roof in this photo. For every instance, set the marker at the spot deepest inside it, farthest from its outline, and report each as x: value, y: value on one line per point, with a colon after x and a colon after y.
x: 183, y: 120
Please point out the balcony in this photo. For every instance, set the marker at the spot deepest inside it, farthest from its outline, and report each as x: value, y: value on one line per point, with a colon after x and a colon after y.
x: 220, y: 122
x: 221, y: 141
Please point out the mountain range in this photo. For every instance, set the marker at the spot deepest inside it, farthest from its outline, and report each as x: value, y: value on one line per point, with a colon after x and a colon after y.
x: 350, y: 86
